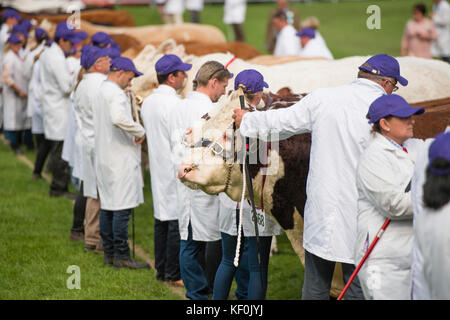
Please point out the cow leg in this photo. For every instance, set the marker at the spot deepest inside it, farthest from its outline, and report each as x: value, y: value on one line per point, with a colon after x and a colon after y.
x: 273, y: 246
x: 295, y: 236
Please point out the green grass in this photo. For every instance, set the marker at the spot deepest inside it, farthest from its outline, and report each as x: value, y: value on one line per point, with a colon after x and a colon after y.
x: 343, y: 24
x: 36, y: 251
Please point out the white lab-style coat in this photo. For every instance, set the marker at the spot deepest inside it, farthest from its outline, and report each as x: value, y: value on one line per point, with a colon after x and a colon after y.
x: 316, y: 48
x: 383, y: 175
x: 234, y: 11
x: 287, y: 43
x: 84, y: 103
x: 336, y: 118
x: 57, y: 82
x: 174, y: 7
x: 194, y: 5
x: 227, y: 220
x: 157, y: 113
x: 15, y: 108
x: 117, y: 156
x: 441, y: 19
x: 195, y: 207
x: 71, y: 151
x: 29, y: 61
x: 419, y: 287
x: 34, y: 107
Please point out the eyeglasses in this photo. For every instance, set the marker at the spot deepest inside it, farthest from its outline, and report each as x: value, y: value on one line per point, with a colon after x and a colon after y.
x: 394, y: 85
x: 222, y: 68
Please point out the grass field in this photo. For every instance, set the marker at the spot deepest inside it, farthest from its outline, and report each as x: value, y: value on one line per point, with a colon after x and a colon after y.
x: 36, y: 252
x: 343, y: 24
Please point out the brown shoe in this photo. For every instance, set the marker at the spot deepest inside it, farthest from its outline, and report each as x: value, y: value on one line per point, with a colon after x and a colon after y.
x: 36, y: 176
x: 178, y: 283
x: 108, y: 260
x: 89, y: 247
x: 99, y: 248
x: 76, y: 236
x: 130, y: 263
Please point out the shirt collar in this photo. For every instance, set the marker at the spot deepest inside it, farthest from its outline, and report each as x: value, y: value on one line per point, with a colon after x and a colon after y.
x: 164, y: 88
x: 198, y: 96
x: 368, y: 83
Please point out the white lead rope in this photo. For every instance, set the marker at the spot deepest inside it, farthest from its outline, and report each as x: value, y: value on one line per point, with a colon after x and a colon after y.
x: 241, y: 210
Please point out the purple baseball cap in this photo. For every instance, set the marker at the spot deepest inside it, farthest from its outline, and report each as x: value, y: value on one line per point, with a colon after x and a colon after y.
x: 14, y: 38
x: 11, y: 13
x: 126, y: 64
x: 20, y: 29
x: 391, y: 105
x: 306, y: 32
x: 90, y: 54
x: 384, y: 65
x: 170, y: 63
x: 440, y: 148
x: 79, y: 36
x: 63, y: 31
x: 40, y: 34
x: 26, y: 24
x: 252, y: 79
x: 101, y: 39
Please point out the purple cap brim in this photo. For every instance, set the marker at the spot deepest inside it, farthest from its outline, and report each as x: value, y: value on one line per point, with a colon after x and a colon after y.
x: 401, y: 113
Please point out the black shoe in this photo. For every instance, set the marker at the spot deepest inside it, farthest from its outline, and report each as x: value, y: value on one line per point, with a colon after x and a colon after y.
x: 67, y: 194
x: 89, y: 247
x: 130, y: 263
x: 108, y: 260
x: 76, y: 236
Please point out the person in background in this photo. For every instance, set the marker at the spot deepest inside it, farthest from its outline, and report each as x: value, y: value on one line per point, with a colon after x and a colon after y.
x: 432, y: 232
x: 287, y: 43
x: 9, y: 18
x: 194, y: 7
x: 383, y: 180
x: 57, y: 82
x: 16, y: 120
x: 418, y: 34
x: 234, y: 14
x: 292, y: 18
x: 247, y: 274
x: 173, y: 11
x: 311, y: 47
x: 158, y: 111
x: 117, y: 163
x: 440, y: 48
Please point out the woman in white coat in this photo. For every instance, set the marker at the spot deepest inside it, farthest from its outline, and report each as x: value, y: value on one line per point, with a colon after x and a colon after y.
x: 247, y: 274
x: 15, y: 90
x: 383, y: 179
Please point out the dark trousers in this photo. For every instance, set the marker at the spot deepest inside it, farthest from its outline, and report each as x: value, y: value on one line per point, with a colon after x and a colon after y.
x: 79, y: 209
x: 114, y: 233
x: 167, y: 250
x: 318, y: 277
x: 198, y: 266
x: 18, y: 137
x: 59, y: 168
x: 43, y: 149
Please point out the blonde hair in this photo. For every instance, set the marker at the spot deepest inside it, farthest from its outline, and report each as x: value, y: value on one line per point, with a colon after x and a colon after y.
x: 310, y: 22
x: 210, y: 70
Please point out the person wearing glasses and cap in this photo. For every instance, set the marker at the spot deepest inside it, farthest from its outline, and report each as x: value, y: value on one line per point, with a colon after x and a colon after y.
x: 157, y: 113
x: 198, y: 217
x: 117, y: 149
x: 335, y: 117
x: 16, y: 121
x: 433, y: 217
x: 247, y: 274
x: 383, y: 179
x: 57, y: 82
x: 311, y: 47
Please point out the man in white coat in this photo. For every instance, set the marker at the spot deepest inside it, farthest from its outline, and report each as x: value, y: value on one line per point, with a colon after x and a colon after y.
x: 157, y: 112
x: 199, y: 213
x: 234, y: 14
x: 336, y: 119
x: 97, y: 62
x: 312, y: 47
x: 441, y: 18
x: 117, y: 163
x: 57, y: 84
x: 10, y: 18
x: 287, y: 43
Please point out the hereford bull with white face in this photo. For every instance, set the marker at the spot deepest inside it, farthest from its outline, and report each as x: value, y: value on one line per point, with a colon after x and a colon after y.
x: 278, y: 169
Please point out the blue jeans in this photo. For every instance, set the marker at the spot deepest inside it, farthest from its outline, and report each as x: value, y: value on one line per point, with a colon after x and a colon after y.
x: 256, y: 289
x: 227, y: 270
x: 114, y: 233
x: 193, y: 275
